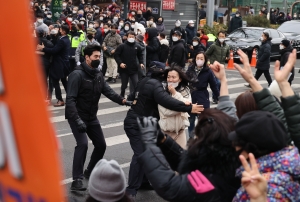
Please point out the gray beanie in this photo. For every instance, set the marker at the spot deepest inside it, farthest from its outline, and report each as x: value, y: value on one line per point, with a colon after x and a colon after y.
x: 107, y: 181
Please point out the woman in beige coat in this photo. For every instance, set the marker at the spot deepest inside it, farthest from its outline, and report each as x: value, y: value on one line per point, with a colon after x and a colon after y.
x: 173, y: 123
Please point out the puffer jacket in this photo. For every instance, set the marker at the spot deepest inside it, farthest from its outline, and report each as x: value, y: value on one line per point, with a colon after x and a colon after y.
x: 111, y: 41
x: 153, y: 46
x: 282, y: 171
x: 263, y: 56
x: 218, y: 52
x: 174, y: 121
x: 285, y: 53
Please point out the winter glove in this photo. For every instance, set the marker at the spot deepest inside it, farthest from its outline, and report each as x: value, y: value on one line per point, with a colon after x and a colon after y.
x: 81, y: 127
x: 160, y: 135
x: 148, y: 129
x: 128, y: 103
x: 78, y: 63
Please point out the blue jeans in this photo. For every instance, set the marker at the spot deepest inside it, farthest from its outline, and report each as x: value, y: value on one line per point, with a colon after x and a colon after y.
x: 218, y: 87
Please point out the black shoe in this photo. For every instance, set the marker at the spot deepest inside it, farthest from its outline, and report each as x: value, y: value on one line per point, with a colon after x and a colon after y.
x: 247, y: 85
x: 77, y: 185
x: 146, y: 186
x: 87, y: 174
x: 109, y: 79
x: 215, y: 102
x: 113, y: 81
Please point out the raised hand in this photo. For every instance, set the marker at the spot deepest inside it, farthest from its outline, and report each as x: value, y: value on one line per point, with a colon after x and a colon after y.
x: 218, y: 70
x: 253, y: 182
x: 281, y: 75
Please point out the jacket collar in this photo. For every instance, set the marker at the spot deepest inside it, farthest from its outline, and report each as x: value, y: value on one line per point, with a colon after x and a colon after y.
x: 90, y: 71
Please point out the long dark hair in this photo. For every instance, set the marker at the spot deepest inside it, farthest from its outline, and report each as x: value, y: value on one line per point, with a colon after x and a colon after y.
x: 205, y: 58
x: 267, y: 36
x: 244, y: 103
x: 184, y: 84
x: 124, y: 199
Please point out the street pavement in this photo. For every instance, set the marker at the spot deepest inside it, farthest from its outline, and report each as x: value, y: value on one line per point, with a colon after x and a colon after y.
x: 111, y: 117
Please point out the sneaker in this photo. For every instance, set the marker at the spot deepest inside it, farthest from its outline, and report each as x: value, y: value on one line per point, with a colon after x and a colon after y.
x: 215, y: 102
x: 247, y: 85
x: 77, y: 185
x: 109, y: 79
x: 87, y: 174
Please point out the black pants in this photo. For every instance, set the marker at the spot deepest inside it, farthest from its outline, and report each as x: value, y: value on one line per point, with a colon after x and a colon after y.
x: 54, y: 83
x: 104, y: 67
x: 259, y: 72
x: 95, y: 133
x: 125, y: 78
x: 72, y: 64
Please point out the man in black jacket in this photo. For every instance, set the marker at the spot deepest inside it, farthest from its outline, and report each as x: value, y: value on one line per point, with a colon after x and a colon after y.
x: 177, y: 55
x: 285, y: 50
x: 236, y: 22
x: 148, y: 94
x: 85, y: 86
x: 179, y: 29
x: 128, y: 66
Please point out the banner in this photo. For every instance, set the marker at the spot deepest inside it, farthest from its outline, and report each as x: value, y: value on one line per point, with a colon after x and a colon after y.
x: 138, y: 5
x: 30, y: 167
x: 56, y: 8
x: 168, y: 5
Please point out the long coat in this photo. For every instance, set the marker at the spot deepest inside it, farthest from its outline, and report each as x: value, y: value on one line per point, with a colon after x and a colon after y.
x: 263, y: 56
x: 60, y: 52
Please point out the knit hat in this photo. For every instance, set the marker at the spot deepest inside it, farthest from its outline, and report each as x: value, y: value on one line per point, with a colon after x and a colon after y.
x: 262, y: 129
x: 107, y: 181
x: 140, y: 37
x: 285, y: 42
x: 90, y: 31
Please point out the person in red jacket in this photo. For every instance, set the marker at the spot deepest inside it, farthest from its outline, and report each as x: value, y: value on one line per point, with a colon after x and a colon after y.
x: 203, y: 37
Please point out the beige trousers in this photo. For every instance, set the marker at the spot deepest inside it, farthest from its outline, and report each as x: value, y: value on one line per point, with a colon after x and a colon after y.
x: 180, y: 138
x: 112, y: 67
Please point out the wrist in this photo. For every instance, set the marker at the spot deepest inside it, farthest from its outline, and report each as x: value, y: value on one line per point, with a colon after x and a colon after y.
x: 223, y: 80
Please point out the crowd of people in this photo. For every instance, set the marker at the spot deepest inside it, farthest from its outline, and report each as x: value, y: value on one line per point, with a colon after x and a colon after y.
x: 89, y: 47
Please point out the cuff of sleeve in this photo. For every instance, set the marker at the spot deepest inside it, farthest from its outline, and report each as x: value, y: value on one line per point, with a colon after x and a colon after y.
x: 224, y: 98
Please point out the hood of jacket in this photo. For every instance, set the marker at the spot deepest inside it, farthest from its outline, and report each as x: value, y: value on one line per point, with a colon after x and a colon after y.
x: 127, y: 23
x: 152, y: 32
x: 282, y: 170
x: 288, y: 49
x: 164, y: 42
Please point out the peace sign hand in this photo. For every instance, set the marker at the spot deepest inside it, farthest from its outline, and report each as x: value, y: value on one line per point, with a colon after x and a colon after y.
x: 253, y: 182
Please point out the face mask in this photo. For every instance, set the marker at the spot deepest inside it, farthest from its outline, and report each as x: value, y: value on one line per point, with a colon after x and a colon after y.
x: 64, y: 5
x: 199, y: 63
x: 101, y: 18
x: 132, y: 13
x: 195, y: 43
x: 116, y: 18
x: 95, y: 63
x: 96, y: 11
x: 295, y: 16
x: 221, y: 40
x: 40, y: 20
x: 105, y: 30
x: 175, y: 38
x: 132, y: 26
x: 117, y: 11
x: 139, y: 32
x: 150, y: 22
x: 192, y: 25
x: 101, y: 25
x: 109, y: 22
x: 281, y: 47
x: 80, y: 15
x: 74, y: 12
x: 121, y: 24
x: 112, y: 31
x: 261, y: 38
x: 177, y: 24
x: 91, y: 26
x: 90, y: 36
x: 89, y: 17
x: 126, y: 28
x: 130, y: 40
x: 82, y: 22
x: 49, y: 16
x: 139, y: 15
x: 237, y: 15
x: 175, y: 84
x: 70, y: 19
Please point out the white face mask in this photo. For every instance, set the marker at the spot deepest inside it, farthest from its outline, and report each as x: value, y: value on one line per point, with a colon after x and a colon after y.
x: 39, y: 20
x: 96, y: 11
x: 237, y: 15
x: 261, y: 38
x: 295, y: 16
x: 199, y: 63
x: 150, y: 22
x: 281, y: 47
x: 195, y: 43
x: 105, y: 30
x: 121, y: 24
x: 177, y: 24
x: 70, y: 19
x: 101, y: 18
x: 49, y: 16
x: 130, y: 40
x: 74, y: 12
x: 221, y: 40
x: 132, y: 26
x: 82, y: 22
x: 126, y: 28
x: 64, y: 5
x: 91, y: 26
x: 116, y: 18
x: 175, y: 84
x: 101, y: 25
x: 175, y: 38
x: 132, y: 13
x: 192, y: 25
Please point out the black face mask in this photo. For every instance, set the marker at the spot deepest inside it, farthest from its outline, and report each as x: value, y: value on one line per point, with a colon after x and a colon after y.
x: 139, y: 15
x: 112, y: 31
x: 90, y: 36
x: 95, y: 63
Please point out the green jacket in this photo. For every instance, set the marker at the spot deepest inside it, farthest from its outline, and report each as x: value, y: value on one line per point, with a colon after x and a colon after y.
x: 291, y: 107
x: 266, y: 102
x: 218, y: 52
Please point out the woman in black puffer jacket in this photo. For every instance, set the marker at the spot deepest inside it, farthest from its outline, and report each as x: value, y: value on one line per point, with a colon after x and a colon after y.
x: 211, y: 153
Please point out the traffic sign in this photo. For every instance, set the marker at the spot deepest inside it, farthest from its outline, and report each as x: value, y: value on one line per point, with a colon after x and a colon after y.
x: 30, y: 167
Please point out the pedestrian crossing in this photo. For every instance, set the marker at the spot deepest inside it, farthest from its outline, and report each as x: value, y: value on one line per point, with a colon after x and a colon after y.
x: 111, y: 116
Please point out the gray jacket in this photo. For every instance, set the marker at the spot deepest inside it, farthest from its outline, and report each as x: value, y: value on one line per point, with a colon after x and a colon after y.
x: 81, y: 47
x: 227, y: 106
